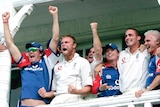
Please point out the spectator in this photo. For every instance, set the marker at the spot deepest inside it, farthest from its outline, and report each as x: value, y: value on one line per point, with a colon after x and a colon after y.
x: 132, y: 64
x: 5, y: 57
x: 5, y: 77
x: 106, y: 82
x: 36, y: 65
x: 152, y: 42
x: 72, y: 79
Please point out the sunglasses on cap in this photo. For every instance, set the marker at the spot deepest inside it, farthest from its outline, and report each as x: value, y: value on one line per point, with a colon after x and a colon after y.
x: 33, y: 49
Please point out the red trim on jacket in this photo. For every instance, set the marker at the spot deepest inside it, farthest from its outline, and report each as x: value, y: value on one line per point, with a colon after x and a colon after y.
x: 96, y: 84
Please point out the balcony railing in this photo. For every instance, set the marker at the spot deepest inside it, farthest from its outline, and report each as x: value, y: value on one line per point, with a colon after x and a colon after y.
x: 146, y: 100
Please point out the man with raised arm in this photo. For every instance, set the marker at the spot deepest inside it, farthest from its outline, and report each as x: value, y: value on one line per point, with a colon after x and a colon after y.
x: 36, y: 65
x: 72, y: 79
x: 95, y: 53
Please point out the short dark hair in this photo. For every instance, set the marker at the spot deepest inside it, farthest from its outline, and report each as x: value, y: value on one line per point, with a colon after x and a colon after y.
x: 137, y: 31
x: 73, y: 38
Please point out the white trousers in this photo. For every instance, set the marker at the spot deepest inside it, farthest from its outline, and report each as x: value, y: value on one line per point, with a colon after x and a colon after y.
x: 66, y: 98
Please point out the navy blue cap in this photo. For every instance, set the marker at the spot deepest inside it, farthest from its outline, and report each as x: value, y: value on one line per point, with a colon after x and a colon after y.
x: 111, y: 45
x: 59, y: 43
x: 34, y: 44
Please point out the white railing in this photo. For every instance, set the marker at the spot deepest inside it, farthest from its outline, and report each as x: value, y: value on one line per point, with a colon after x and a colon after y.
x: 146, y: 100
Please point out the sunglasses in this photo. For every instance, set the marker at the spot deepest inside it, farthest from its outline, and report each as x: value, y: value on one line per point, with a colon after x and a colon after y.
x: 33, y: 49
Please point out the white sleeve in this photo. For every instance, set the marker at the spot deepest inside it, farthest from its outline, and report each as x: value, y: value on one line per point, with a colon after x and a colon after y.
x: 85, y: 73
x: 54, y: 82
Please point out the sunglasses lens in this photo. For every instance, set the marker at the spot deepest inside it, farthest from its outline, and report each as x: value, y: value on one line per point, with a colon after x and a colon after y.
x: 33, y: 49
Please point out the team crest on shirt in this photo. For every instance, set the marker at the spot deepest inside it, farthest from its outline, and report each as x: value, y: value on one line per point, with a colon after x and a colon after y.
x: 137, y: 56
x: 108, y: 76
x: 74, y: 66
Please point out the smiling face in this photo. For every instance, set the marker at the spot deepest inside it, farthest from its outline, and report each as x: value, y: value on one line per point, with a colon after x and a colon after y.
x: 90, y: 55
x: 132, y: 38
x: 151, y: 43
x: 111, y: 54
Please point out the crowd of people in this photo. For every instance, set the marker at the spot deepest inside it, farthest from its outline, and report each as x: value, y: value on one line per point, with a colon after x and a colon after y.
x: 134, y: 70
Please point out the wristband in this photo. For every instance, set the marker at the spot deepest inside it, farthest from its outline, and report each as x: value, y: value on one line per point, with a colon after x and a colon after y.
x: 5, y: 21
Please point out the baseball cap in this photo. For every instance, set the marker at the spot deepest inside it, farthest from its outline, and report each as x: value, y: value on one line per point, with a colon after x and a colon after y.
x: 34, y: 44
x: 59, y: 43
x: 111, y: 45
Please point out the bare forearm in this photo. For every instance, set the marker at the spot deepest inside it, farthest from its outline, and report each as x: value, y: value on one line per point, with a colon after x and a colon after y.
x: 7, y: 35
x: 96, y: 41
x: 10, y: 43
x: 154, y: 83
x: 84, y: 90
x: 55, y: 29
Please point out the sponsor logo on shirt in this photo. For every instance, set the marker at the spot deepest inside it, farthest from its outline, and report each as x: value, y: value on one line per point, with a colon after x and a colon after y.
x: 114, y: 88
x: 117, y: 82
x: 123, y: 60
x: 34, y: 68
x: 59, y: 68
x: 150, y: 74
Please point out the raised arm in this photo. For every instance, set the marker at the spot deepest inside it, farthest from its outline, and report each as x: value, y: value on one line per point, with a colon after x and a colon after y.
x: 55, y: 28
x: 8, y: 38
x: 96, y: 41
